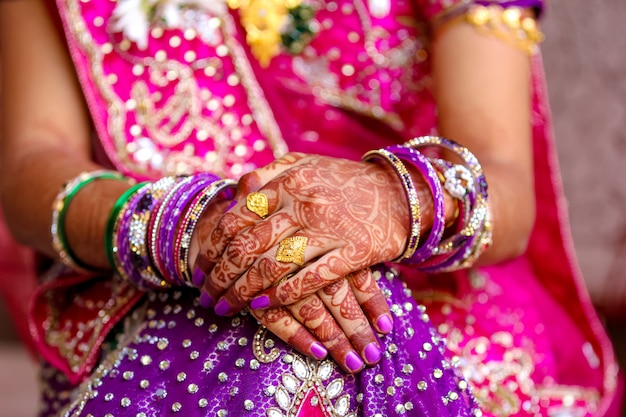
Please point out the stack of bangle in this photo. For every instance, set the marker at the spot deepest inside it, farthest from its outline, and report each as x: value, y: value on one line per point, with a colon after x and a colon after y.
x: 149, y: 229
x: 460, y: 243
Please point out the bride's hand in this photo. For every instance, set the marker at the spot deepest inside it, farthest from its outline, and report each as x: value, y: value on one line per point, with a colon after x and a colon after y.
x: 326, y: 218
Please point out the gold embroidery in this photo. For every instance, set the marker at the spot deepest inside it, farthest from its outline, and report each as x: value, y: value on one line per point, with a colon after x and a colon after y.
x: 75, y: 340
x: 259, y: 345
x: 183, y: 114
x: 498, y: 367
x: 363, y: 92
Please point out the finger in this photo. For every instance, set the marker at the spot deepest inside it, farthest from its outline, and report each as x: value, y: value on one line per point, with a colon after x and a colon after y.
x: 253, y: 181
x: 216, y: 266
x: 283, y: 324
x: 327, y: 269
x: 268, y: 269
x: 314, y: 316
x: 243, y: 251
x: 203, y: 230
x: 371, y: 299
x: 232, y: 223
x: 344, y: 307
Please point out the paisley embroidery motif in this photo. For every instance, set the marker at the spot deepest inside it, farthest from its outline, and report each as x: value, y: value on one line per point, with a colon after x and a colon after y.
x: 309, y: 391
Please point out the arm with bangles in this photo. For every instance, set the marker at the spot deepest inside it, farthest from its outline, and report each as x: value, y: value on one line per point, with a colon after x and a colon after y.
x: 45, y: 136
x: 46, y: 144
x: 483, y: 90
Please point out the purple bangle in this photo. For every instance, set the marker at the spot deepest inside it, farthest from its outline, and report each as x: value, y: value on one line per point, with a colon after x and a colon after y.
x: 173, y: 207
x: 424, y: 167
x: 121, y: 247
x: 415, y: 220
x: 189, y: 221
x: 141, y: 269
x: 154, y: 229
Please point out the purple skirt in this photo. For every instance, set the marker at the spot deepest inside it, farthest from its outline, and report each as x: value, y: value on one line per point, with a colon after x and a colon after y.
x: 173, y: 357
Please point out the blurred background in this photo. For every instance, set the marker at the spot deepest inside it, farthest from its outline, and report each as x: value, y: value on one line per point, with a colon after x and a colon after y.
x: 586, y: 69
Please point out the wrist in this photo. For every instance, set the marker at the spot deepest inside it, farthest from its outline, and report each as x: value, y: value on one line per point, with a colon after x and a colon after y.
x: 86, y: 219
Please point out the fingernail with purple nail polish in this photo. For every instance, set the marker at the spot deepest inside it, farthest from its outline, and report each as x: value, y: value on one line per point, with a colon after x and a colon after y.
x: 318, y: 351
x: 197, y: 277
x: 384, y: 323
x: 372, y: 353
x: 222, y: 307
x: 206, y: 300
x: 353, y: 361
x: 259, y: 303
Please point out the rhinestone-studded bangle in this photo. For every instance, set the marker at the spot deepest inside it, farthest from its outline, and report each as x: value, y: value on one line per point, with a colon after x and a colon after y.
x: 59, y: 211
x: 140, y: 268
x: 468, y: 158
x: 464, y: 196
x: 114, y: 246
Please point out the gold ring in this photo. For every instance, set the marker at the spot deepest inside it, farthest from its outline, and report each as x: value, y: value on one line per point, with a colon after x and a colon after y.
x: 257, y: 203
x: 283, y: 279
x: 291, y: 249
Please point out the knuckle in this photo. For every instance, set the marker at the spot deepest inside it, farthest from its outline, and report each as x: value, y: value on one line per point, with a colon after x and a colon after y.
x: 241, y: 250
x: 270, y: 270
x: 248, y: 182
x: 227, y: 228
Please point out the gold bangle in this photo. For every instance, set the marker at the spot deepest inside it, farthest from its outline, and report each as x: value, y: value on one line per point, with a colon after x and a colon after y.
x: 515, y: 25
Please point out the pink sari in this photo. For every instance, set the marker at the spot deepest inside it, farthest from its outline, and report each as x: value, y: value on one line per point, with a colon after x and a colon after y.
x: 525, y: 333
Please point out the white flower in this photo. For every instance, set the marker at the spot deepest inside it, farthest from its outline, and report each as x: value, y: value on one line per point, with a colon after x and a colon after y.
x: 379, y: 8
x: 132, y: 18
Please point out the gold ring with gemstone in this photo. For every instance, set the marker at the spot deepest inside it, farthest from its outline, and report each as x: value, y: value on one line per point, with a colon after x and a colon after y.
x: 257, y: 203
x: 291, y: 249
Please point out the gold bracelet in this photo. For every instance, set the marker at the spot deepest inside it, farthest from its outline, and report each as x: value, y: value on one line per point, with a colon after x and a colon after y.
x: 514, y: 25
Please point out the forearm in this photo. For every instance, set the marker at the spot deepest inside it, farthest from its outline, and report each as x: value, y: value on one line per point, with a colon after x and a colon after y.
x: 30, y: 182
x: 483, y: 94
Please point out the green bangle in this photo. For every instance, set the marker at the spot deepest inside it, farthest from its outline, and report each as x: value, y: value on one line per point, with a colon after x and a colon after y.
x: 59, y: 211
x: 112, y: 220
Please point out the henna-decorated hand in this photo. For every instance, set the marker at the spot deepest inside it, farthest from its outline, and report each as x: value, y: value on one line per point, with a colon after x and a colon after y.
x: 333, y: 317
x: 351, y: 217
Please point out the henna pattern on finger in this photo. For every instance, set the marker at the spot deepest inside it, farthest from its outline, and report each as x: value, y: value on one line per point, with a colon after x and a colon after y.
x: 350, y: 206
x: 351, y: 318
x: 259, y: 277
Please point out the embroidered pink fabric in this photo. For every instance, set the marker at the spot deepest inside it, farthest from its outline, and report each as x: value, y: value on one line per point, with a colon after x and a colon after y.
x: 525, y: 330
